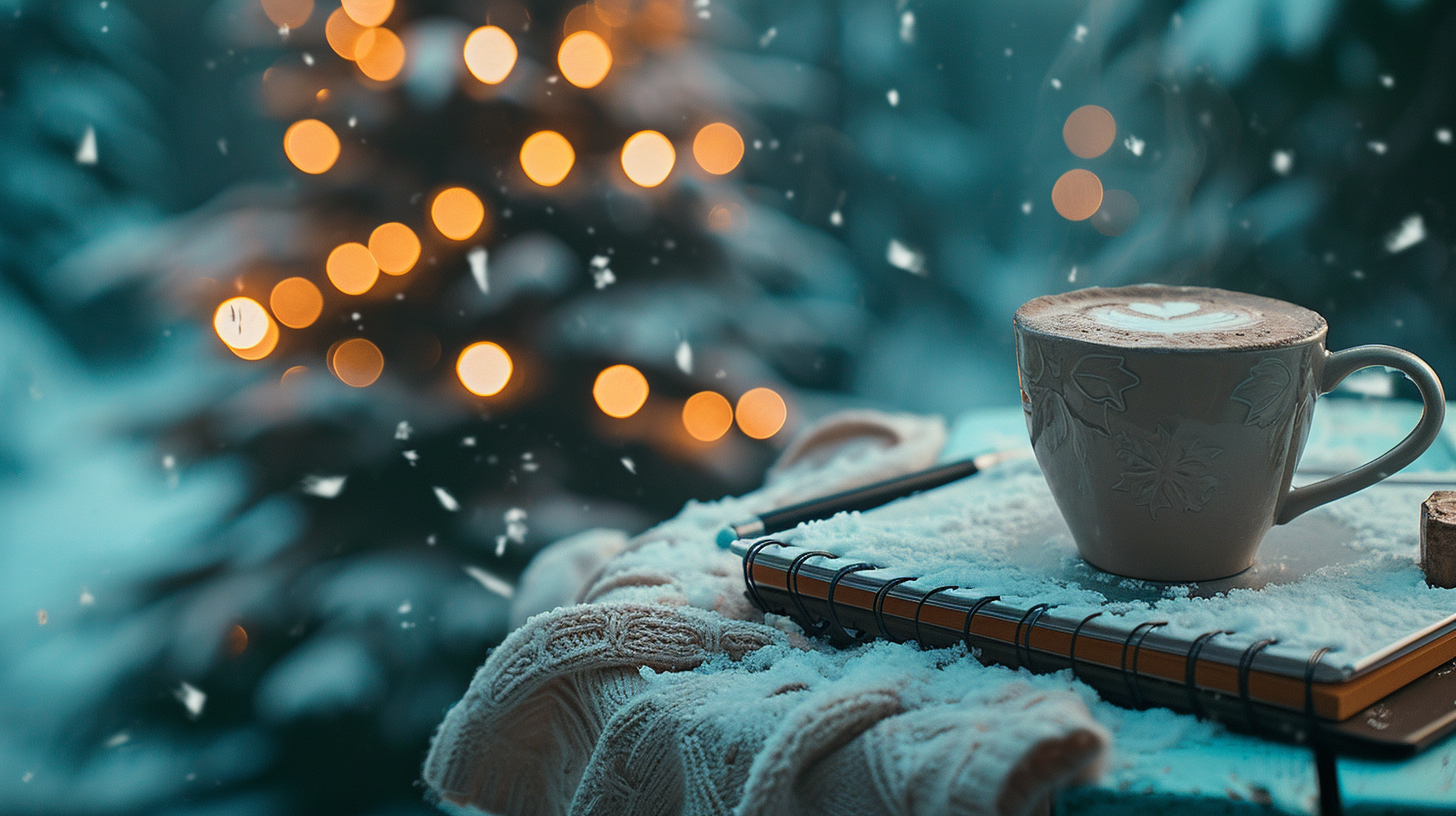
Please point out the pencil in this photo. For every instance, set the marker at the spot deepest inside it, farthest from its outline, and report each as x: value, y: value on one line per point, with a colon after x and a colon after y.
x: 860, y: 498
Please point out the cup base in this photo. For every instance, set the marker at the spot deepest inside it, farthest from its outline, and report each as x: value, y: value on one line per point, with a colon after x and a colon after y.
x: 1161, y: 577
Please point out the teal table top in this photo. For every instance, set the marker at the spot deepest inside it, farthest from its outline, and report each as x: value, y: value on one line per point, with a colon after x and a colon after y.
x: 1164, y: 762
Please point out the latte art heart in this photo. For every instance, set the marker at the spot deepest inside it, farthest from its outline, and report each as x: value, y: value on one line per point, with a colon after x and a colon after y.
x: 1176, y: 308
x: 1170, y: 317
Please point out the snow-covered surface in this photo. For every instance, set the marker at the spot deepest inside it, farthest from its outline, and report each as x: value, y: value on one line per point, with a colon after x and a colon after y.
x: 998, y: 532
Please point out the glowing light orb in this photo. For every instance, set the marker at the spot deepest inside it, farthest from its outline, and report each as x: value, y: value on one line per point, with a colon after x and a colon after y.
x: 237, y: 640
x: 490, y: 54
x: 264, y: 347
x: 761, y: 413
x: 240, y: 322
x: 343, y: 34
x: 380, y: 54
x: 1077, y: 194
x: 395, y: 247
x: 718, y: 148
x: 707, y: 415
x: 356, y: 362
x: 620, y: 391
x: 293, y: 376
x: 291, y: 13
x: 584, y: 59
x: 647, y: 157
x: 484, y: 368
x: 296, y: 302
x: 369, y: 13
x: 547, y: 157
x: 351, y: 268
x: 457, y: 213
x: 311, y: 145
x: 1089, y: 131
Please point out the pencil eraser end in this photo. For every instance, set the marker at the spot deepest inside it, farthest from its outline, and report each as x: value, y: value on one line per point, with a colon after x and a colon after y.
x: 726, y: 537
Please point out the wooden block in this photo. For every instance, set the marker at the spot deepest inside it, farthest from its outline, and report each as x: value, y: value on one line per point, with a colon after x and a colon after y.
x: 1438, y: 539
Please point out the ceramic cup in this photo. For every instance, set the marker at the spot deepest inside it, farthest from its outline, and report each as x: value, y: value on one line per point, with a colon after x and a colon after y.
x: 1168, y: 421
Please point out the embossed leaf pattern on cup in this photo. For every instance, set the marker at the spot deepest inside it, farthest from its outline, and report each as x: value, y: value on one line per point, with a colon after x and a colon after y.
x: 1102, y: 378
x: 1266, y: 392
x: 1167, y: 472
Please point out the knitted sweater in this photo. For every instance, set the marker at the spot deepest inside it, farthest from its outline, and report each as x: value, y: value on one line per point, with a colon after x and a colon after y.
x: 640, y: 681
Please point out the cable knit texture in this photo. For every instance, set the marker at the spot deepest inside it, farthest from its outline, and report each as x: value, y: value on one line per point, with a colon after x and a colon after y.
x: 641, y: 681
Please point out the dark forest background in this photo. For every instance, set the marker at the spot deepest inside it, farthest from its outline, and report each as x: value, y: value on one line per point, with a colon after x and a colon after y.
x: 163, y: 532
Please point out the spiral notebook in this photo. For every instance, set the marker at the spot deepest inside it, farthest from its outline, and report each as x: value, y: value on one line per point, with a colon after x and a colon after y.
x: 1331, y: 636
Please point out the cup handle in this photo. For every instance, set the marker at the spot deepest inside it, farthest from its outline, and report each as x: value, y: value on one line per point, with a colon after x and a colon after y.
x: 1342, y: 364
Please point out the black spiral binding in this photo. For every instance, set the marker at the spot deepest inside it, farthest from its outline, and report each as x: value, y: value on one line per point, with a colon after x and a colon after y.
x: 791, y: 580
x: 971, y: 615
x: 1072, y: 653
x: 1131, y: 678
x: 1190, y: 670
x: 1309, y: 669
x: 748, y: 558
x: 879, y: 605
x: 920, y: 606
x: 839, y: 629
x: 1034, y: 614
x: 1246, y: 661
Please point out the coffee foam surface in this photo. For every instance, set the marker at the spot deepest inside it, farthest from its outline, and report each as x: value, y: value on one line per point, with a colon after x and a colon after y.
x: 1170, y: 317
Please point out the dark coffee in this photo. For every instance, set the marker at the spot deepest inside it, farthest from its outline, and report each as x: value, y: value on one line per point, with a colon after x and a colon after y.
x: 1171, y: 317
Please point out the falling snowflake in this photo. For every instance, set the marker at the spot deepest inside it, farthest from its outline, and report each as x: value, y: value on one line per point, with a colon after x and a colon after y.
x: 1443, y: 135
x: 903, y: 257
x: 118, y: 739
x: 629, y: 465
x: 907, y: 27
x: 191, y: 698
x: 602, y: 278
x: 1282, y: 161
x: 447, y: 501
x: 1378, y: 148
x: 86, y: 150
x: 516, y: 525
x: 1167, y: 472
x: 1056, y: 84
x: 1412, y: 231
x: 1134, y: 144
x: 411, y: 456
x: 325, y: 487
x: 768, y: 37
x: 477, y: 258
x: 403, y: 430
x: 1026, y: 207
x: 684, y: 357
x: 489, y: 581
x: 836, y: 219
x: 41, y: 617
x: 86, y: 599
x: 1080, y: 35
x: 894, y: 97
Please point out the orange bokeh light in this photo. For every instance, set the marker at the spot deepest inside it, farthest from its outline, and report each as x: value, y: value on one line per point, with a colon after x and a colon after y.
x: 380, y: 54
x: 237, y: 640
x: 707, y: 416
x: 547, y: 157
x: 293, y: 376
x: 369, y: 13
x: 457, y: 213
x: 718, y: 148
x: 311, y: 145
x: 761, y: 413
x: 296, y: 302
x: 615, y: 13
x: 490, y: 54
x: 1089, y: 131
x: 620, y: 390
x: 264, y: 348
x: 291, y: 13
x: 352, y: 269
x: 484, y: 368
x: 241, y: 322
x: 648, y: 157
x: 356, y: 362
x: 343, y: 34
x: 395, y: 248
x: 1077, y: 194
x: 584, y: 59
